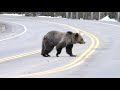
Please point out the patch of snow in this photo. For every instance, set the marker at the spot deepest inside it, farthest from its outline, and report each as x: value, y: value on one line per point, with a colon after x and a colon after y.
x: 81, y: 19
x: 106, y: 18
x: 14, y: 14
x: 2, y: 28
x: 50, y: 16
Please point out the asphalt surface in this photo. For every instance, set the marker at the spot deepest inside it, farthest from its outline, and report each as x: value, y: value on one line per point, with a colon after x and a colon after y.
x: 104, y: 62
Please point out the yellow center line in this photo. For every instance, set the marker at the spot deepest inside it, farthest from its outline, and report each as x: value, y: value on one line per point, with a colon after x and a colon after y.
x: 19, y: 55
x: 76, y: 62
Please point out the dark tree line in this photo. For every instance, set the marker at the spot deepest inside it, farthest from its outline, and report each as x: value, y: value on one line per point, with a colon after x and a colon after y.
x: 73, y: 15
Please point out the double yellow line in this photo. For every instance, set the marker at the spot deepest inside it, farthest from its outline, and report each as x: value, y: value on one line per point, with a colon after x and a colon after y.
x: 78, y: 61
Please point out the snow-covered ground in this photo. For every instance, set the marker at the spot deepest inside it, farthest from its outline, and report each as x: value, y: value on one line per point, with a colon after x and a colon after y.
x: 50, y: 16
x: 2, y: 27
x: 14, y: 14
x: 8, y: 30
x: 107, y: 18
x: 37, y: 16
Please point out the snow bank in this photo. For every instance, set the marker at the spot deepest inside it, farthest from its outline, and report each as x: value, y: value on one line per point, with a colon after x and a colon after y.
x: 108, y: 19
x: 14, y: 14
x: 50, y: 16
x: 2, y: 28
x: 24, y: 15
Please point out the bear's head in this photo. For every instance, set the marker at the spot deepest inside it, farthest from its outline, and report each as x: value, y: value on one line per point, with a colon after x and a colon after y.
x: 78, y: 38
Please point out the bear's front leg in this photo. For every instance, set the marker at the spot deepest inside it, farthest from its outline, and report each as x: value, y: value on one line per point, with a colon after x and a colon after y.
x: 58, y: 51
x: 69, y: 50
x: 73, y: 55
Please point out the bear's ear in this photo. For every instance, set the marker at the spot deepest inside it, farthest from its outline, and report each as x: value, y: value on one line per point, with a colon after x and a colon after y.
x: 76, y: 34
x: 69, y: 32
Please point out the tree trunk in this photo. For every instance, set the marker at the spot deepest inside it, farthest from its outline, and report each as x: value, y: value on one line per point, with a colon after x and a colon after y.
x: 99, y: 16
x: 77, y: 17
x: 83, y: 15
x: 118, y: 16
x: 67, y: 15
x: 71, y: 15
x: 91, y: 15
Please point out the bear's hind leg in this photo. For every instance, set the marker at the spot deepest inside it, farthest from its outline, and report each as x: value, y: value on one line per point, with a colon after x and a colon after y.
x: 43, y: 53
x: 43, y: 48
x: 59, y: 48
x: 48, y: 50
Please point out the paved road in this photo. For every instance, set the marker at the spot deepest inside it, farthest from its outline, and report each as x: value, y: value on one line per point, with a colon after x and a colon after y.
x: 104, y: 62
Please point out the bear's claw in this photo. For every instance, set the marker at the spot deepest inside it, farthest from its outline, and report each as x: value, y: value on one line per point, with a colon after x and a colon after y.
x: 73, y: 55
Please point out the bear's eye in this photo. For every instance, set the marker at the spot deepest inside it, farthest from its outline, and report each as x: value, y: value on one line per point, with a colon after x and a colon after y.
x: 81, y: 39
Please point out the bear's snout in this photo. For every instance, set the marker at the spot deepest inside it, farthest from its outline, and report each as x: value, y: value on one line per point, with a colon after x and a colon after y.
x: 82, y: 42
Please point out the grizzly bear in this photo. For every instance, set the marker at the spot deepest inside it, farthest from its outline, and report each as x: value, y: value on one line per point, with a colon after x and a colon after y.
x: 60, y: 40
